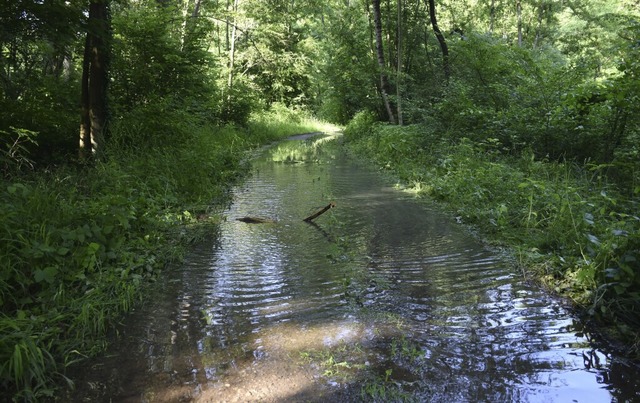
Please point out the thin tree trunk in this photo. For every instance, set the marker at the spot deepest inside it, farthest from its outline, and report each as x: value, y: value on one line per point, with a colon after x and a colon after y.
x: 232, y: 52
x: 190, y: 16
x: 95, y: 80
x: 232, y: 57
x: 541, y: 10
x: 186, y: 22
x: 196, y: 9
x: 84, y: 150
x: 228, y: 25
x: 443, y: 43
x: 399, y: 65
x: 519, y: 16
x: 388, y: 30
x: 384, y: 81
x: 414, y: 44
x: 492, y: 15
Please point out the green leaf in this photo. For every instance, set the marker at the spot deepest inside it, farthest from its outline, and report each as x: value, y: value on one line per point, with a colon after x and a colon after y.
x: 93, y: 248
x: 594, y: 239
x: 47, y: 275
x: 588, y: 218
x: 63, y: 251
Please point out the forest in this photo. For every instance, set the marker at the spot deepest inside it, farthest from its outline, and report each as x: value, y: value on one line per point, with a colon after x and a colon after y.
x: 123, y: 123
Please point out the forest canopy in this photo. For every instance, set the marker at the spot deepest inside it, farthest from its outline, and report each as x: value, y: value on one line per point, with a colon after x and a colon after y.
x: 509, y: 68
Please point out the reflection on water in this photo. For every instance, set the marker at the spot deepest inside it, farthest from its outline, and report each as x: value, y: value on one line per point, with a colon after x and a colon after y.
x: 240, y: 319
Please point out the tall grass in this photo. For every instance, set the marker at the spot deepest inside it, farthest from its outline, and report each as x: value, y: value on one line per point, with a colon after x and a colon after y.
x: 79, y: 243
x: 279, y: 121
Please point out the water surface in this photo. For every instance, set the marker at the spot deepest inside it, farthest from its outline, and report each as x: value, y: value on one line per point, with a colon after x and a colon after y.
x: 381, y: 298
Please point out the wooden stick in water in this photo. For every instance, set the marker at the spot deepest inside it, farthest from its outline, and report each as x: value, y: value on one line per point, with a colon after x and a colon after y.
x: 319, y: 212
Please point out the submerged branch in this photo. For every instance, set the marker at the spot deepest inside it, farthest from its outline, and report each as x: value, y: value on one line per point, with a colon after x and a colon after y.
x: 319, y: 212
x: 259, y: 220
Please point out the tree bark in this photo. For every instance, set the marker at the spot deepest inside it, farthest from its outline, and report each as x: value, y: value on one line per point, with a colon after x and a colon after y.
x: 492, y: 15
x: 443, y: 43
x: 190, y: 15
x: 84, y: 150
x: 196, y: 9
x: 95, y: 80
x: 519, y: 17
x: 384, y: 81
x: 541, y: 10
x: 399, y: 65
x: 232, y: 51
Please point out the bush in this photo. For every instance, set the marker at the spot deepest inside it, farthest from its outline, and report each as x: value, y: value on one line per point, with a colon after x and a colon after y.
x: 360, y: 126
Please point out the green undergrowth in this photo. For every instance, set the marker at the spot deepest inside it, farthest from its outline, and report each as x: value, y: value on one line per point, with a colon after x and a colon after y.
x: 79, y: 243
x: 569, y: 226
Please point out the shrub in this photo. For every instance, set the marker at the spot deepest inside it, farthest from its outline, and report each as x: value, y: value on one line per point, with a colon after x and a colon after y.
x: 360, y: 126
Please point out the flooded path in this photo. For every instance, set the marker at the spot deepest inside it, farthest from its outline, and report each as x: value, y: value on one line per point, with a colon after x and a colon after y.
x: 380, y: 299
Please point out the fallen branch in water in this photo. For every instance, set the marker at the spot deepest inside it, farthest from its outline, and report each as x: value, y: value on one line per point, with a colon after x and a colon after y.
x: 319, y: 212
x: 256, y: 220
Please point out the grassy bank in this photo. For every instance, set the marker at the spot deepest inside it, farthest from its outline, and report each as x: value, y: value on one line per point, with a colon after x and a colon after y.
x: 79, y: 243
x: 568, y: 225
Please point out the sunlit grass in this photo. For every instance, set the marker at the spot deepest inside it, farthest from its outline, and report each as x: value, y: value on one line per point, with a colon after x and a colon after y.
x: 279, y: 122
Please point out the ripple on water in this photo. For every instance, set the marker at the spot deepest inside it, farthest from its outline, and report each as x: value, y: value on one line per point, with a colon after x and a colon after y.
x: 377, y: 271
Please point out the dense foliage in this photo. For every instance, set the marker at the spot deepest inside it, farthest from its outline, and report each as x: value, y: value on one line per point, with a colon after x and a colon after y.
x: 523, y: 116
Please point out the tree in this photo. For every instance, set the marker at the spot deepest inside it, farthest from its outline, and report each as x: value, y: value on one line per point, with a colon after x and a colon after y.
x: 399, y: 63
x: 232, y: 49
x: 443, y: 43
x: 38, y: 80
x: 384, y: 80
x: 344, y: 79
x: 519, y: 18
x: 95, y: 80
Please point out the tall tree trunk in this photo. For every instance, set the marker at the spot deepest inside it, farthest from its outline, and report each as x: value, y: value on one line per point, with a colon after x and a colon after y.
x: 232, y: 57
x: 541, y: 10
x: 492, y: 15
x: 95, y: 80
x: 186, y: 22
x: 384, y: 81
x: 85, y: 120
x: 399, y: 65
x: 387, y: 29
x: 443, y: 43
x: 196, y: 9
x: 232, y: 53
x: 227, y: 27
x: 519, y: 17
x: 190, y: 15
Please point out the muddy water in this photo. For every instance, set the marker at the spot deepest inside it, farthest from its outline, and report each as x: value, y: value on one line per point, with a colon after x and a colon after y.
x: 383, y: 298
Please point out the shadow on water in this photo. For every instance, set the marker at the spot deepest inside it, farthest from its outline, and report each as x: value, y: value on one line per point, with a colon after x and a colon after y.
x: 381, y: 299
